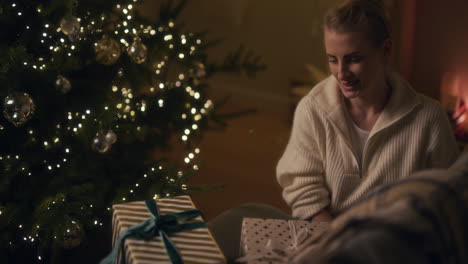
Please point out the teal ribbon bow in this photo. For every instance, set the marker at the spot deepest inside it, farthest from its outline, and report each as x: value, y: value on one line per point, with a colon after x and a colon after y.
x: 161, y: 225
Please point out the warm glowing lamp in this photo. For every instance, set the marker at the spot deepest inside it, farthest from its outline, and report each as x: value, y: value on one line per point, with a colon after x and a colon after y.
x: 454, y: 99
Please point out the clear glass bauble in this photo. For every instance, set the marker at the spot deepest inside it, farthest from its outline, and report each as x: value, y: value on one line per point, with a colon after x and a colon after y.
x: 100, y: 144
x: 70, y: 25
x: 111, y: 137
x: 18, y: 108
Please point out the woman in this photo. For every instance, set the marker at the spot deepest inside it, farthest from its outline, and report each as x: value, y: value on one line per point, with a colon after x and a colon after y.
x: 363, y: 126
x: 360, y: 128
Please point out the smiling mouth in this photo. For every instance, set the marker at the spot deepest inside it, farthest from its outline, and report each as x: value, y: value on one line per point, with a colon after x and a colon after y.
x: 349, y: 86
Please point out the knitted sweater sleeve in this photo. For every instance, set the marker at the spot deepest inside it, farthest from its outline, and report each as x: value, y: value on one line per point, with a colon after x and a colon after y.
x: 300, y: 171
x: 443, y: 149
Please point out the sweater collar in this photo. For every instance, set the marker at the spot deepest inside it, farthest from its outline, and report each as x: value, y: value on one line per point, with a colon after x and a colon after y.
x: 403, y: 100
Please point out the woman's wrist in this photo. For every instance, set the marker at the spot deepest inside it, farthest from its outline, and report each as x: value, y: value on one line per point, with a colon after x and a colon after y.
x: 322, y: 216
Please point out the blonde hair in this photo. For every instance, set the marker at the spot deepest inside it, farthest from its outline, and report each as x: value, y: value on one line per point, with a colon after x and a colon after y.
x: 368, y: 16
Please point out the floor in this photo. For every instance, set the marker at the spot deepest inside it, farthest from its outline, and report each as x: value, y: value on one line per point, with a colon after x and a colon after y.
x: 243, y: 157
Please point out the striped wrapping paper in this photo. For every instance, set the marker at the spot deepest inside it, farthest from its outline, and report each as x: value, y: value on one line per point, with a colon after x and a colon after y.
x: 196, y: 246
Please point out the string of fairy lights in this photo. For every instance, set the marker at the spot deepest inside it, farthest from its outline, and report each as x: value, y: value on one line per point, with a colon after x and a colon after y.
x: 129, y: 34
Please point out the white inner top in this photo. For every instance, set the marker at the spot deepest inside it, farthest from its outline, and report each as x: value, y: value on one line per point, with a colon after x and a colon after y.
x: 362, y: 136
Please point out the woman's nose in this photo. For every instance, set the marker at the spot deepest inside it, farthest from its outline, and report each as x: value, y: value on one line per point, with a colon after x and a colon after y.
x: 343, y: 71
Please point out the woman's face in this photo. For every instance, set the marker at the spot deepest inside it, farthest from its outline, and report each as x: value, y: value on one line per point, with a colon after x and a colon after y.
x: 356, y: 63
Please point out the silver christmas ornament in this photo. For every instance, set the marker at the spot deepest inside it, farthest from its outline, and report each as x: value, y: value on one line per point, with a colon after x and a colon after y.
x: 137, y: 51
x: 107, y: 50
x: 18, y: 108
x: 63, y: 84
x: 70, y: 25
x: 111, y: 137
x: 100, y: 143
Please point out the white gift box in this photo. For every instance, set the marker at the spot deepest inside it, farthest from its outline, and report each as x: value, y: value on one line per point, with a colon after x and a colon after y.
x: 273, y: 240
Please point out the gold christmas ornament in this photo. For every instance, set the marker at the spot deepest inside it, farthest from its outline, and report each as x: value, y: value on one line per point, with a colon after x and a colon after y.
x: 120, y: 72
x: 107, y: 50
x: 137, y: 51
x: 18, y: 108
x: 70, y: 25
x: 199, y: 70
x: 72, y: 236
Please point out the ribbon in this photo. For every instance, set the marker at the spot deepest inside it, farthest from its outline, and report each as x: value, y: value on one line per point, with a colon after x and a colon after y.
x: 161, y: 225
x: 297, y: 237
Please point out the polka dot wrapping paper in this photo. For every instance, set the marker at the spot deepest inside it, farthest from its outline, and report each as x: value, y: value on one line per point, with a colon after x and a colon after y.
x: 273, y: 241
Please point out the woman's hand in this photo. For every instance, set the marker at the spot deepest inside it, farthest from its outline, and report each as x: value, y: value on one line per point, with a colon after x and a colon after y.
x: 322, y: 216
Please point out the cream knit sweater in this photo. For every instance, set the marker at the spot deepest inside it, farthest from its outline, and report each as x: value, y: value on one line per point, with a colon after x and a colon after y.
x: 320, y: 167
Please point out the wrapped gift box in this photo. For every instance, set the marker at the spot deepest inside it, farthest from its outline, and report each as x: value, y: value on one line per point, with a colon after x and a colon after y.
x: 273, y: 240
x: 195, y: 246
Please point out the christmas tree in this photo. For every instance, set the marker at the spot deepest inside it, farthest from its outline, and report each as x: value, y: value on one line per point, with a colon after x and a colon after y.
x: 93, y: 95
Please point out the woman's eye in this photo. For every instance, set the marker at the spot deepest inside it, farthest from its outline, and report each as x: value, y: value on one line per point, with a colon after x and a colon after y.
x: 355, y: 59
x: 332, y: 61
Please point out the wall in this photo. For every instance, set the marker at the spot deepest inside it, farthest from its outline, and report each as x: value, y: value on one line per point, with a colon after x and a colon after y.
x: 440, y: 43
x: 285, y: 33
